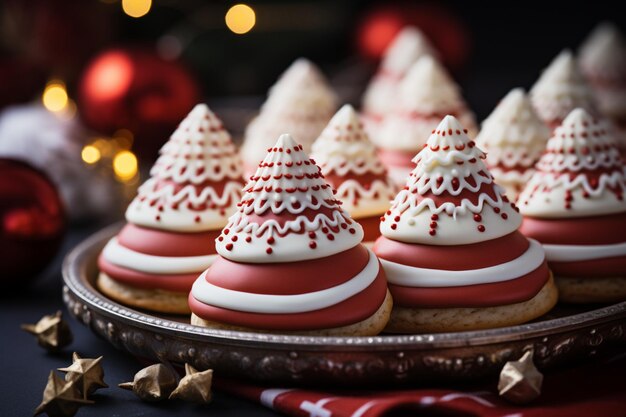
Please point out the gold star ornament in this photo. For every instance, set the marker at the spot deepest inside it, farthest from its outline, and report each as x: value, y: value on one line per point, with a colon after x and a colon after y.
x: 520, y: 381
x: 52, y: 332
x: 194, y: 386
x: 154, y: 383
x: 87, y: 374
x: 60, y: 398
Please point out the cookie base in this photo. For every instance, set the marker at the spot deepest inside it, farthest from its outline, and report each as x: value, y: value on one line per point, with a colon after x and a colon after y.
x: 437, y: 320
x: 591, y: 290
x: 371, y: 326
x: 158, y: 300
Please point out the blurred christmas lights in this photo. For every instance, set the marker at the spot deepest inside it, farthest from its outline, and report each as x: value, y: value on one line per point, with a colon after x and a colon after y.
x: 54, y: 96
x: 136, y: 8
x: 125, y: 165
x: 240, y: 18
x: 90, y: 154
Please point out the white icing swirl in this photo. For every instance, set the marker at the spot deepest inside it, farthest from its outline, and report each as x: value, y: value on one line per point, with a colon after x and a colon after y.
x: 180, y: 195
x: 364, y: 202
x: 216, y: 296
x: 275, y: 222
x: 300, y: 103
x: 560, y: 89
x: 563, y: 186
x: 410, y: 276
x: 448, y: 166
x: 124, y: 257
x: 575, y: 253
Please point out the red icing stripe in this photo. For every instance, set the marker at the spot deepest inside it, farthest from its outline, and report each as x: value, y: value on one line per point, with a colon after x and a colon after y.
x: 480, y: 295
x: 178, y: 283
x: 288, y: 277
x: 597, y: 230
x: 595, y: 268
x: 397, y: 158
x: 453, y: 258
x: 350, y: 311
x: 371, y: 227
x: 167, y: 243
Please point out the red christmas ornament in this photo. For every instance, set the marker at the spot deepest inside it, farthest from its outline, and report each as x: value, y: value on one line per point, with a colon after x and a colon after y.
x: 136, y: 90
x: 444, y: 29
x: 32, y: 222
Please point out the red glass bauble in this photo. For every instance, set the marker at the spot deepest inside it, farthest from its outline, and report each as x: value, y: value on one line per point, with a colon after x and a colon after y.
x: 136, y: 90
x: 32, y: 222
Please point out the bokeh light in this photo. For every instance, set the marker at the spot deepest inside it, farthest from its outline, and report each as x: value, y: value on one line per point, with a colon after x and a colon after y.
x: 125, y: 165
x: 54, y: 96
x: 136, y: 8
x: 240, y: 19
x: 90, y: 154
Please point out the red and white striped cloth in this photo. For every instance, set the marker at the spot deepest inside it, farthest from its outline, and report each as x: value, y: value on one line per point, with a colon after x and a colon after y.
x: 597, y: 388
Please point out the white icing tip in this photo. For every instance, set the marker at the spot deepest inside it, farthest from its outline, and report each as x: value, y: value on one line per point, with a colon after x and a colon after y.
x: 286, y: 141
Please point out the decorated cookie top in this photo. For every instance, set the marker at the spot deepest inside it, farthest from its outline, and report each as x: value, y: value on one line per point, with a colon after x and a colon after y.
x: 349, y: 162
x: 195, y: 184
x: 602, y: 57
x: 513, y: 135
x: 409, y: 45
x: 450, y: 197
x: 287, y: 213
x: 301, y: 103
x: 581, y: 173
x: 560, y: 89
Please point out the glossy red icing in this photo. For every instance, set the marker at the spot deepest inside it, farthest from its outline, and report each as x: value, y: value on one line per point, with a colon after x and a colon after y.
x: 288, y: 277
x: 596, y: 268
x: 350, y: 311
x: 597, y: 230
x: 453, y: 258
x: 482, y: 295
x: 167, y: 243
x: 371, y: 227
x: 178, y: 283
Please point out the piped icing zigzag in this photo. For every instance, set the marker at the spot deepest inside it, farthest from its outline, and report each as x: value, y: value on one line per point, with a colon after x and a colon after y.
x: 350, y: 165
x: 301, y: 103
x: 451, y: 232
x: 290, y: 257
x: 407, y: 47
x: 425, y: 96
x: 514, y: 138
x: 194, y: 187
x: 574, y: 204
x: 560, y: 89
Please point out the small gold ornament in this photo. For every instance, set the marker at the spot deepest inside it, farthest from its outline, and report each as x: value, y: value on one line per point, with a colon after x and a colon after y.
x: 60, y: 398
x: 87, y: 374
x: 154, y: 383
x: 520, y: 381
x: 194, y: 386
x: 52, y: 332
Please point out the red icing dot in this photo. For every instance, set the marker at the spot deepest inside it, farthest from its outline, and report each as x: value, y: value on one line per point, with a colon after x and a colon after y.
x: 481, y: 228
x: 434, y: 217
x: 226, y: 231
x: 351, y: 230
x: 158, y: 218
x: 197, y: 219
x: 229, y: 246
x: 220, y: 238
x: 324, y: 229
x: 312, y: 245
x: 268, y: 251
x: 477, y: 217
x: 234, y: 238
x: 496, y: 209
x: 312, y: 235
x: 504, y: 216
x: 248, y: 239
x: 397, y: 218
x: 330, y: 236
x: 270, y: 240
x: 433, y: 225
x: 432, y: 232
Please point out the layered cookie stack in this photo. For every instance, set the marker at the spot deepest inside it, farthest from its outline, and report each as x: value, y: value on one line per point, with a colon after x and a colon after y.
x: 194, y: 187
x: 301, y: 103
x: 451, y: 249
x: 514, y: 138
x: 349, y: 164
x: 291, y: 259
x: 574, y: 205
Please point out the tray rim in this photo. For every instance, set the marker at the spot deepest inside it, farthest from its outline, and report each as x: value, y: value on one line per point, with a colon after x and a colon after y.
x: 77, y: 259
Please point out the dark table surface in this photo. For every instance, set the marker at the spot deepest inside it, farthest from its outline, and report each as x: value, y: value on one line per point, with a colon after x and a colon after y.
x: 25, y: 366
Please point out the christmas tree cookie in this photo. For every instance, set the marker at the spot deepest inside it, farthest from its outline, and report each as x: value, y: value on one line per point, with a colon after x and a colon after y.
x: 514, y: 138
x: 450, y: 246
x: 574, y: 205
x: 291, y: 259
x: 349, y: 164
x: 194, y: 187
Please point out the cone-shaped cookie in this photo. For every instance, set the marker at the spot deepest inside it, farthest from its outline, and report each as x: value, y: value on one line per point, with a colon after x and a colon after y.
x: 514, y: 138
x: 193, y: 188
x: 451, y: 249
x: 291, y: 259
x: 574, y: 205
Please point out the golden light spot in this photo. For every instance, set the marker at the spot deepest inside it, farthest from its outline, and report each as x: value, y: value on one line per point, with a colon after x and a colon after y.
x: 125, y: 165
x: 54, y: 96
x: 136, y: 8
x: 240, y: 18
x: 90, y: 154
